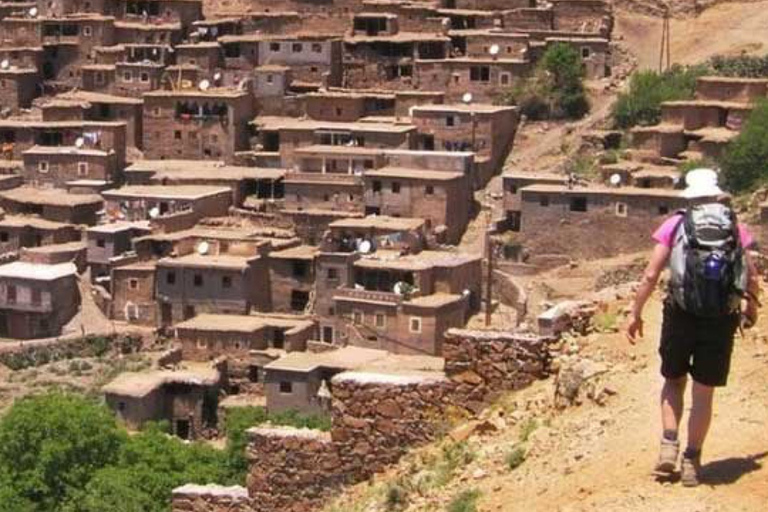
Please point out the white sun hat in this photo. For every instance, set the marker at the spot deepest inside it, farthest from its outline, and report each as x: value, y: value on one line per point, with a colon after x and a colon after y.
x: 701, y: 183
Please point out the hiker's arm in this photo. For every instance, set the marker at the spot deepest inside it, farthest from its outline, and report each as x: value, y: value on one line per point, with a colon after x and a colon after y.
x: 752, y: 300
x: 648, y: 283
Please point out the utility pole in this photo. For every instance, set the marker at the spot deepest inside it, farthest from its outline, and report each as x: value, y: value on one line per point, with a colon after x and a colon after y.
x: 489, y: 277
x: 664, y: 50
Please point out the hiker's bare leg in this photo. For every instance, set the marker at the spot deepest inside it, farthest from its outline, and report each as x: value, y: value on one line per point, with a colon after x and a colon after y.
x: 701, y: 415
x: 672, y: 401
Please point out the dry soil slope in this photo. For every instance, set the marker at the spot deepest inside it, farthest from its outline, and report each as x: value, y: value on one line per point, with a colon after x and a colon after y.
x: 728, y: 28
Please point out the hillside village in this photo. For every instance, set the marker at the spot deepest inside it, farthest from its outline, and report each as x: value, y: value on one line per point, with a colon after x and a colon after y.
x: 327, y: 210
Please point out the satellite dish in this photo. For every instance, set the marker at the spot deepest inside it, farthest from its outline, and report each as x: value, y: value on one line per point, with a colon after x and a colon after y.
x: 615, y: 180
x: 79, y: 142
x: 154, y: 212
x: 217, y: 77
x: 5, y: 64
x: 203, y: 248
x: 399, y: 287
x: 170, y: 49
x: 33, y: 12
x: 365, y: 246
x: 204, y: 85
x: 494, y: 50
x: 467, y: 98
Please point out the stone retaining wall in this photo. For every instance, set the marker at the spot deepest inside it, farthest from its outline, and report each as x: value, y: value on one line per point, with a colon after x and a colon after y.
x: 292, y: 470
x: 376, y: 418
x: 484, y: 364
x: 210, y: 498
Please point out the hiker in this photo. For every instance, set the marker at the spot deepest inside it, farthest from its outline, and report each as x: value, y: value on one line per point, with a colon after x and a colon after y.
x: 713, y: 291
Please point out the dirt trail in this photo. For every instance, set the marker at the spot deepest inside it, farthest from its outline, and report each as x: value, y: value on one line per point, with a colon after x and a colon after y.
x: 729, y: 28
x: 598, y: 458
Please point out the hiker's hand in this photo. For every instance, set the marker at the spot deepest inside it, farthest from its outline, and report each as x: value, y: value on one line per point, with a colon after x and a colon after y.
x: 635, y: 330
x: 748, y: 313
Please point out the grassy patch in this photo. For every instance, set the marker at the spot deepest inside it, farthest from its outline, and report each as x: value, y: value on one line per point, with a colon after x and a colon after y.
x: 466, y: 501
x: 515, y: 457
x: 527, y: 428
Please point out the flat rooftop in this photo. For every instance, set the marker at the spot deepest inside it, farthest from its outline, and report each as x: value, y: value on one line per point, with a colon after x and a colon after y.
x: 203, y: 170
x: 64, y: 150
x: 214, y: 92
x: 23, y: 221
x: 399, y: 37
x: 116, y: 227
x: 301, y: 252
x: 602, y: 190
x: 293, y: 123
x: 243, y: 323
x: 382, y: 222
x: 140, y: 384
x: 99, y: 97
x: 413, y: 262
x: 221, y: 261
x: 49, y: 197
x: 413, y: 174
x: 360, y: 359
x: 36, y: 271
x: 183, y: 192
x: 477, y: 108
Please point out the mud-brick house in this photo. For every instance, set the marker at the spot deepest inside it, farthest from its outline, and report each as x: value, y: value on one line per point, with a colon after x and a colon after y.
x: 58, y: 165
x: 513, y: 183
x: 487, y: 130
x: 592, y: 222
x: 299, y: 381
x: 133, y: 293
x: 18, y: 87
x: 405, y: 304
x: 387, y: 59
x: 186, y: 398
x: 37, y: 300
x: 485, y: 77
x: 51, y: 204
x: 108, y: 241
x: 19, y: 231
x: 209, y: 336
x: 223, y: 283
x: 442, y: 198
x: 145, y: 202
x: 197, y: 124
x: 278, y: 138
x: 292, y: 278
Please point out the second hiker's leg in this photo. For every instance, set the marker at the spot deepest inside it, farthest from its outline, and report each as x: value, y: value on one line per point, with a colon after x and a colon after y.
x: 698, y: 426
x: 701, y: 415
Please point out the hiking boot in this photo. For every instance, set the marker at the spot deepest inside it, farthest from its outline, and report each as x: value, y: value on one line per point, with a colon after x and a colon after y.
x: 690, y: 470
x: 668, y: 456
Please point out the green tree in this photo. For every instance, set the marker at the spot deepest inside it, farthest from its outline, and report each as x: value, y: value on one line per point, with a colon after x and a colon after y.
x: 51, y: 444
x: 745, y: 163
x: 151, y: 464
x: 555, y: 89
x: 641, y: 104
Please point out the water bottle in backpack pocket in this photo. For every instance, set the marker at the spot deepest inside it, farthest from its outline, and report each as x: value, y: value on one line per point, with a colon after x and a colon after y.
x: 707, y: 266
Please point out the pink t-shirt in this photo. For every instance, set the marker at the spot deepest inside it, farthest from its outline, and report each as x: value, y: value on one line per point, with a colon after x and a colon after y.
x: 666, y: 232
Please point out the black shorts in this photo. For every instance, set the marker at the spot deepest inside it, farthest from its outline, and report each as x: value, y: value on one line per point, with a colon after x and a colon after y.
x: 696, y: 345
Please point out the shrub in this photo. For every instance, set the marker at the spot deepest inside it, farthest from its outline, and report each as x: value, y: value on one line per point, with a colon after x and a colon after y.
x: 515, y: 457
x: 396, y: 497
x: 743, y: 66
x: 555, y: 89
x: 466, y: 501
x: 745, y: 163
x: 528, y: 427
x: 641, y: 104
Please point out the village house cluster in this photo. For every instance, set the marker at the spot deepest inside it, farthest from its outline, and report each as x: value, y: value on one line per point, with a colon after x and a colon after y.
x: 276, y: 187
